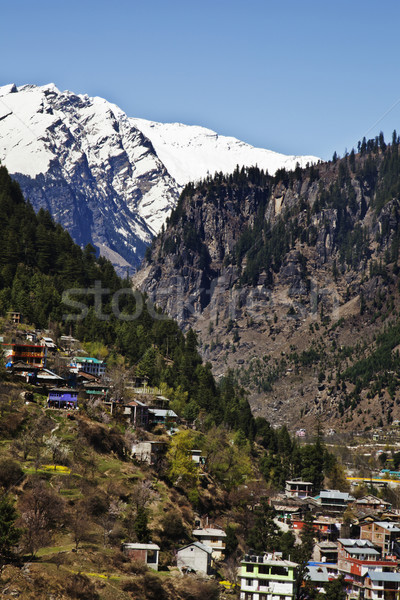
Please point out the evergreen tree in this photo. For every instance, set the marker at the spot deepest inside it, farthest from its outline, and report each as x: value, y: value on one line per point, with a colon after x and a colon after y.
x: 264, y: 536
x: 141, y: 525
x: 335, y: 589
x: 9, y: 533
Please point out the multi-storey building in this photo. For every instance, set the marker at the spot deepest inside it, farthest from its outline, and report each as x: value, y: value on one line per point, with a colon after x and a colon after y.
x: 267, y: 577
x: 380, y: 585
x: 383, y: 534
x: 356, y: 558
x: 298, y: 488
x: 214, y: 538
x: 90, y: 365
x: 33, y: 355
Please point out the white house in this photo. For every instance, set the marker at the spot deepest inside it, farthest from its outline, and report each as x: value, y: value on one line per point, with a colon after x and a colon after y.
x: 195, y: 556
x: 379, y: 584
x: 148, y: 451
x: 214, y: 538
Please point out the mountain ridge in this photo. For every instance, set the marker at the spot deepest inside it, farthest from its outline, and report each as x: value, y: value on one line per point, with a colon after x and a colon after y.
x: 99, y: 172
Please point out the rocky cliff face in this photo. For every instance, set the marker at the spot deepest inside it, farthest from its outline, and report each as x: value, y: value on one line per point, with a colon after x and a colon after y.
x: 109, y: 179
x: 264, y: 269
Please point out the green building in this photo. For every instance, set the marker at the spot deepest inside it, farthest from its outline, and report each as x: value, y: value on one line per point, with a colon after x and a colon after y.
x: 267, y: 577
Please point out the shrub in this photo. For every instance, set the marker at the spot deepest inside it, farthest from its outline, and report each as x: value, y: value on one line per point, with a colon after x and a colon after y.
x: 10, y: 473
x: 80, y: 587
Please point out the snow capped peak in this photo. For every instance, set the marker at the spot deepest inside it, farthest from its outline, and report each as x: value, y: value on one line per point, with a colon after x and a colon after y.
x: 10, y: 88
x: 191, y: 152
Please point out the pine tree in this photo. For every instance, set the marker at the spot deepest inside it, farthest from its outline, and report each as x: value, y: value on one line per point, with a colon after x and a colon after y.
x: 9, y: 533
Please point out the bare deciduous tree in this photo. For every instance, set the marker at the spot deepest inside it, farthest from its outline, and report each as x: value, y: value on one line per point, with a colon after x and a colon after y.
x: 41, y: 509
x: 79, y: 523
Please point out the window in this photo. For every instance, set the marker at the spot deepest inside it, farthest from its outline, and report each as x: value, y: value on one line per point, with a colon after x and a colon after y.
x: 151, y: 556
x: 263, y: 569
x: 277, y: 570
x: 249, y: 582
x: 250, y: 568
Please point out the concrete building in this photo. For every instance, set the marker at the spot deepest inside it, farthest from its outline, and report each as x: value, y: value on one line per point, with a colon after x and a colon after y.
x: 195, y: 556
x: 62, y: 398
x: 214, y: 538
x: 298, y: 488
x: 380, y: 585
x: 383, y: 534
x: 148, y: 452
x: 356, y: 558
x: 33, y: 355
x: 90, y: 365
x: 267, y: 577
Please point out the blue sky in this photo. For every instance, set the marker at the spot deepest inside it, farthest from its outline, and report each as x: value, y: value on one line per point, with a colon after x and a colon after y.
x: 298, y: 77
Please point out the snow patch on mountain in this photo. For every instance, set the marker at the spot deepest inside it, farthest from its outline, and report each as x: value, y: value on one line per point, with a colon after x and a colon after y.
x: 109, y: 179
x: 82, y: 159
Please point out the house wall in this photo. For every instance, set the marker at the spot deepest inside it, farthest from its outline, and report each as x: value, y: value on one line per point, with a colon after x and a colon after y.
x: 195, y: 558
x: 217, y: 545
x: 139, y: 555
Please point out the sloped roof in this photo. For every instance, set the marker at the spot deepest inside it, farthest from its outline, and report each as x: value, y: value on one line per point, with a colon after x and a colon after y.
x: 163, y: 412
x: 88, y: 359
x: 134, y: 546
x: 318, y: 573
x: 198, y: 545
x: 209, y: 532
x: 355, y: 543
x: 388, y: 525
x: 335, y: 494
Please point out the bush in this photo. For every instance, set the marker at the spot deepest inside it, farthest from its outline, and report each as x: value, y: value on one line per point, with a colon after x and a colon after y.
x: 173, y: 528
x: 10, y: 473
x: 80, y: 587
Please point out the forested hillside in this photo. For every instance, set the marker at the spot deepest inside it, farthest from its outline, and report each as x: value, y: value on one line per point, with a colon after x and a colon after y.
x: 291, y: 281
x: 70, y: 491
x: 39, y: 262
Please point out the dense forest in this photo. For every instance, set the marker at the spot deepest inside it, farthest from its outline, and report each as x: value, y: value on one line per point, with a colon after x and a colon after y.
x: 343, y: 186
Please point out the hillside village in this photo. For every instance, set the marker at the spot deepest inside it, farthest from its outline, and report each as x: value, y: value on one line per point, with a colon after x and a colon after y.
x: 300, y: 541
x: 128, y: 470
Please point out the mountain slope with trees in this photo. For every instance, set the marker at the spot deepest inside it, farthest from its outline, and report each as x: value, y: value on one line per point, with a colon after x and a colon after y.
x: 291, y: 282
x: 39, y: 263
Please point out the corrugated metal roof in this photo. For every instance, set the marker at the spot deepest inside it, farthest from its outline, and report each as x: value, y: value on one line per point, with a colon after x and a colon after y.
x: 383, y: 576
x: 318, y: 573
x: 366, y: 551
x: 209, y: 532
x: 388, y: 525
x: 335, y: 494
x: 134, y: 546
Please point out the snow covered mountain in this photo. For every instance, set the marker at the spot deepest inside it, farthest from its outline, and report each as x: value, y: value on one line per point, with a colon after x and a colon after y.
x: 191, y: 153
x: 109, y: 179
